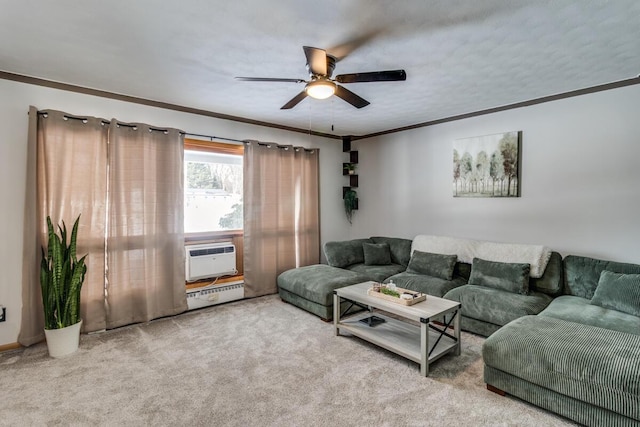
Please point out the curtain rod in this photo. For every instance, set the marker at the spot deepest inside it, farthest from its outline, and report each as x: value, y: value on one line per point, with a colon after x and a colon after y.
x: 211, y: 137
x: 106, y: 122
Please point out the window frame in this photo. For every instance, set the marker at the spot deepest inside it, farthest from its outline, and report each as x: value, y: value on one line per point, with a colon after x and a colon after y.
x: 218, y: 148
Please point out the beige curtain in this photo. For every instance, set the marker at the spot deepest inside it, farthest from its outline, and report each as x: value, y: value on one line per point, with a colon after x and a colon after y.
x: 32, y: 324
x: 127, y: 183
x: 66, y: 177
x: 281, y: 215
x: 145, y: 238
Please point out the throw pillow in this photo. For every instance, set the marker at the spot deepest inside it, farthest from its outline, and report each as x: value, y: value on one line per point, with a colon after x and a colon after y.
x: 435, y: 265
x: 376, y: 254
x: 620, y: 292
x: 506, y: 276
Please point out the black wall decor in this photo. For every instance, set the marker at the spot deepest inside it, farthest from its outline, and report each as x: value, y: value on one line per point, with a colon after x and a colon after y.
x: 349, y: 168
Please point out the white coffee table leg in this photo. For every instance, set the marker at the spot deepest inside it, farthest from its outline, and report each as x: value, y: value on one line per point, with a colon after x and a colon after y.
x: 456, y: 329
x: 336, y: 312
x: 424, y: 348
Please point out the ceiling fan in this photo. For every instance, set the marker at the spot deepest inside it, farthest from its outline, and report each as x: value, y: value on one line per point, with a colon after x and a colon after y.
x: 321, y: 86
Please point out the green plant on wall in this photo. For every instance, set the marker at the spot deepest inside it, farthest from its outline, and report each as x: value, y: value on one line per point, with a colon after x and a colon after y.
x: 61, y: 278
x: 350, y: 203
x: 350, y: 168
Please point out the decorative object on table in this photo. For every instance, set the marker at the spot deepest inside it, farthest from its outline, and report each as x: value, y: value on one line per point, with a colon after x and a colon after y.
x: 391, y: 292
x: 487, y: 166
x: 61, y: 278
x: 350, y: 203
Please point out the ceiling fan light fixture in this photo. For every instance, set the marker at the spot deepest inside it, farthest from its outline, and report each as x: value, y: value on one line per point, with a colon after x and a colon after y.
x: 320, y: 89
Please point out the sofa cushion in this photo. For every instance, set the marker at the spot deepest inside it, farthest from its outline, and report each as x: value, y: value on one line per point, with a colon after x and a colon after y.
x: 582, y: 274
x: 590, y: 364
x: 497, y: 306
x: 317, y: 282
x: 436, y: 265
x: 552, y: 280
x: 619, y: 292
x: 345, y: 253
x: 377, y: 273
x: 426, y: 284
x: 505, y: 276
x: 376, y: 253
x: 400, y: 248
x: 580, y: 310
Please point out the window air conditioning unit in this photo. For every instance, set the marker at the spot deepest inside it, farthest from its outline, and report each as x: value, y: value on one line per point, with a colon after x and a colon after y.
x: 210, y: 260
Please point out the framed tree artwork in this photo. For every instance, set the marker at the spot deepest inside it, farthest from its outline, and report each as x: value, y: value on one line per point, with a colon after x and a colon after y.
x: 487, y: 166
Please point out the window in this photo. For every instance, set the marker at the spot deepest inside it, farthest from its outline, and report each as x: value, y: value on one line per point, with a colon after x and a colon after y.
x: 212, y: 187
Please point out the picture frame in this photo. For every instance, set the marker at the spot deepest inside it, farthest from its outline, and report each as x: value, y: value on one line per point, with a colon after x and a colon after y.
x: 488, y: 166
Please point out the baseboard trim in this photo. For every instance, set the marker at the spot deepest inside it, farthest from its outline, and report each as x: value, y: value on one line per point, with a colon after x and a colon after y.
x: 12, y: 346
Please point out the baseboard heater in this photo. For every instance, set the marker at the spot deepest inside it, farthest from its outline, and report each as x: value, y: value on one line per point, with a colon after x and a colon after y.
x: 215, y: 294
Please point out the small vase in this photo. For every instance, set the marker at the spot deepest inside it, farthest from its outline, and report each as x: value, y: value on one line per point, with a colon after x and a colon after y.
x: 63, y: 342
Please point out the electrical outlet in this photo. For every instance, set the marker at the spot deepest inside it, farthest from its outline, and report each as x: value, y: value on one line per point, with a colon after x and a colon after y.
x: 3, y: 315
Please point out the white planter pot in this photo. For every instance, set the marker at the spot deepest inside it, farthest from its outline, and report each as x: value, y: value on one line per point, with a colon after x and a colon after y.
x: 63, y: 342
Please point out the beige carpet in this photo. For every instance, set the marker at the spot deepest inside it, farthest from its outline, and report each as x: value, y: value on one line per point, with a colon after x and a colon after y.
x: 257, y: 362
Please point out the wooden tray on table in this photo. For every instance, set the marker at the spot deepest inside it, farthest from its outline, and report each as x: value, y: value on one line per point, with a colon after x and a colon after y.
x: 418, y: 296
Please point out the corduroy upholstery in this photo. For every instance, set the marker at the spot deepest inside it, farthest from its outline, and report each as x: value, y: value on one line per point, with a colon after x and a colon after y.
x: 377, y: 273
x: 496, y: 306
x: 311, y: 287
x: 579, y: 411
x: 582, y: 274
x: 576, y: 309
x: 485, y: 309
x: 434, y: 265
x: 619, y: 292
x: 585, y: 363
x: 345, y: 253
x: 400, y: 248
x: 426, y: 284
x: 575, y: 358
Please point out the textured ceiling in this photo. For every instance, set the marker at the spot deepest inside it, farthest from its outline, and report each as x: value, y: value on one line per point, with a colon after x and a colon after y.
x: 460, y: 56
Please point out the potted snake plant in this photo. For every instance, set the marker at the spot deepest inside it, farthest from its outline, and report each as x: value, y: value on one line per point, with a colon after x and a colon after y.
x: 61, y: 278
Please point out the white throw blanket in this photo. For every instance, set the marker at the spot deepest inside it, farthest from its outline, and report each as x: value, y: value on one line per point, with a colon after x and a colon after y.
x: 535, y: 255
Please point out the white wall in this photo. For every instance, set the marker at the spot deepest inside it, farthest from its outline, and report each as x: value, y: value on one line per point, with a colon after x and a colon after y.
x: 580, y: 176
x: 580, y: 179
x: 15, y: 99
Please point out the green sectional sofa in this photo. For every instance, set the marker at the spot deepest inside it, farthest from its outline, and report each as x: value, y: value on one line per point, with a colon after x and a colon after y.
x: 567, y: 340
x: 580, y: 356
x: 354, y: 261
x: 436, y: 271
x: 486, y: 309
x: 311, y: 288
x: 350, y: 255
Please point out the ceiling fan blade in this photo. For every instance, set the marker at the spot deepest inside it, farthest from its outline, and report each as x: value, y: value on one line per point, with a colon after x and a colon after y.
x: 375, y: 76
x: 342, y: 50
x: 294, y: 101
x: 268, y: 79
x: 316, y: 60
x: 351, y: 97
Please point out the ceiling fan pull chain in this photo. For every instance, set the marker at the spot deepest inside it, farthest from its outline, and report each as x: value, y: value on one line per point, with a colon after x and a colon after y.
x: 332, y: 115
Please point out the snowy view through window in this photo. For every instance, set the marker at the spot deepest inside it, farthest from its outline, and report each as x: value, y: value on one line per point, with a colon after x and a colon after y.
x: 212, y: 192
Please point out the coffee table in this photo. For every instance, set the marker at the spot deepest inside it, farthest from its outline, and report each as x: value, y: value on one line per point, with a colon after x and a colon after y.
x: 394, y: 333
